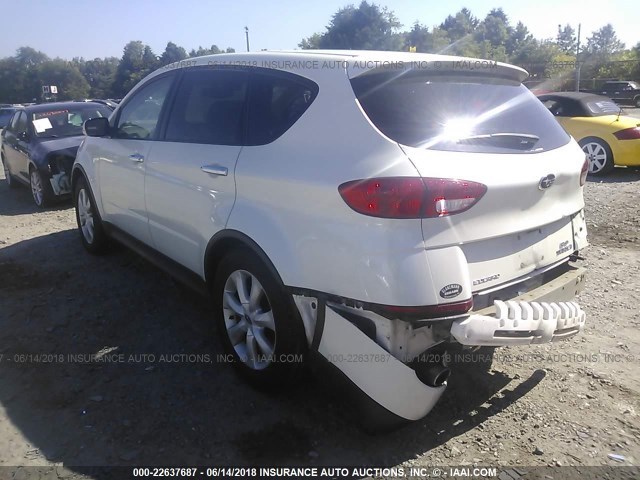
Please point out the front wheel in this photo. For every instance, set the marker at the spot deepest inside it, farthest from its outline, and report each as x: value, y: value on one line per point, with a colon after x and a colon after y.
x: 94, y: 238
x: 41, y: 190
x: 257, y: 322
x: 599, y: 155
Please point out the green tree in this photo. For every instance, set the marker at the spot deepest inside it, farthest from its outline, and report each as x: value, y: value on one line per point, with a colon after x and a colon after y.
x: 519, y: 37
x: 459, y: 25
x: 172, y: 53
x: 492, y: 35
x: 66, y: 76
x: 366, y: 27
x: 566, y: 39
x: 138, y: 60
x: 100, y: 73
x: 214, y: 50
x: 604, y: 42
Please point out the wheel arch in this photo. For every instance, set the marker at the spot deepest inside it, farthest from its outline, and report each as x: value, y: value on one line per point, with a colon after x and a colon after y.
x: 224, y: 242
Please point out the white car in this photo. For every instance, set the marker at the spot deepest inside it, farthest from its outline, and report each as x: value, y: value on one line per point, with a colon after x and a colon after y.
x: 364, y: 208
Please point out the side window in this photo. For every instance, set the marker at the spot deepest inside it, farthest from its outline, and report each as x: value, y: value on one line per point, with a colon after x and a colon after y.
x: 139, y: 117
x: 21, y: 123
x: 209, y: 107
x: 276, y: 102
x: 17, y: 121
x: 554, y: 107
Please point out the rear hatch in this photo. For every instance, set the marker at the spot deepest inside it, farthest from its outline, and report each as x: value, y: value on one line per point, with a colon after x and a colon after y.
x: 483, y: 127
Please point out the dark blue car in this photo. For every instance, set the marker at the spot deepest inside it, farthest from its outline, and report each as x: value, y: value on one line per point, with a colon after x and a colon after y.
x: 39, y: 145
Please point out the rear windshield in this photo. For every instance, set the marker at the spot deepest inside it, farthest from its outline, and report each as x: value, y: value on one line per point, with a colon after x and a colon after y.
x: 458, y: 112
x: 603, y: 107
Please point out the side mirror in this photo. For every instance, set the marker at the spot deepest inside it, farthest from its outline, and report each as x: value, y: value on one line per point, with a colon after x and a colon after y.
x: 96, y: 127
x: 23, y: 136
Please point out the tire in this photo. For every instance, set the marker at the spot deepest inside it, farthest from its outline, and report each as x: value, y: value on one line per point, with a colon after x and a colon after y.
x: 94, y: 238
x: 599, y: 155
x: 636, y: 101
x: 263, y: 333
x: 11, y: 182
x: 41, y: 190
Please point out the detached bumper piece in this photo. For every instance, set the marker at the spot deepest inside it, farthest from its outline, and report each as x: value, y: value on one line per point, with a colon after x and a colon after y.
x: 521, y: 323
x: 381, y: 377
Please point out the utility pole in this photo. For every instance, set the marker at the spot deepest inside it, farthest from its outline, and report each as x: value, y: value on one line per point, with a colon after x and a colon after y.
x: 246, y: 32
x: 577, y: 60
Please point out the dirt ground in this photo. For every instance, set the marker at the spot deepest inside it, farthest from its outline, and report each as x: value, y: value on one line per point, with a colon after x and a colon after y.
x: 570, y: 403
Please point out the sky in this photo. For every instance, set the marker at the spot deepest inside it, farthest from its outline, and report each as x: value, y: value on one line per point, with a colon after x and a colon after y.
x: 102, y: 28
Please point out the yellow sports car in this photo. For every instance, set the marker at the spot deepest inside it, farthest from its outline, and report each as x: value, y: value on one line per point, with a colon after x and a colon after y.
x: 607, y: 137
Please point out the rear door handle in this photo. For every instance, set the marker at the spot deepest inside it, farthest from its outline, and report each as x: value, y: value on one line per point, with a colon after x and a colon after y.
x: 215, y: 170
x: 136, y: 157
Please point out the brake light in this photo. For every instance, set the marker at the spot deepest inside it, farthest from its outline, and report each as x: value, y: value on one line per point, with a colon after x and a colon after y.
x: 632, y: 133
x: 411, y: 197
x: 584, y: 172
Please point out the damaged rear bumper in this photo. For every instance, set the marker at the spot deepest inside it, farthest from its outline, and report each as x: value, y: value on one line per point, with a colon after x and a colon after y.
x: 542, y: 315
x: 382, y: 358
x: 383, y: 378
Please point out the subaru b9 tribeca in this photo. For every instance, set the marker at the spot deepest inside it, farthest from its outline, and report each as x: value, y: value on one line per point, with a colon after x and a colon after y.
x: 364, y: 208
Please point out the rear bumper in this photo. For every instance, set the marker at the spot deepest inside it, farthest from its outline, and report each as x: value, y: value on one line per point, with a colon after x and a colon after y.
x: 545, y: 314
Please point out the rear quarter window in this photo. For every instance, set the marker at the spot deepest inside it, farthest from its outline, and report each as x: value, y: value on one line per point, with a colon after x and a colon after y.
x: 277, y: 100
x: 457, y: 112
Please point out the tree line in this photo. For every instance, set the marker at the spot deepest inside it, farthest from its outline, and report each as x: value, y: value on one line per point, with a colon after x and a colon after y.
x: 367, y: 26
x: 371, y: 27
x: 23, y: 75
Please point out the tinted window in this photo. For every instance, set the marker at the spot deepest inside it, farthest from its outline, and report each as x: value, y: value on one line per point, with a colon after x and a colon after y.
x: 139, y: 117
x: 209, y: 107
x: 458, y: 112
x: 19, y: 124
x: 276, y: 102
x: 66, y: 121
x: 565, y: 108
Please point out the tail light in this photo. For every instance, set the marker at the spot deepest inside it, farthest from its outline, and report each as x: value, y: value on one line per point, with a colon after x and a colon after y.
x: 584, y: 172
x: 632, y: 133
x: 411, y: 197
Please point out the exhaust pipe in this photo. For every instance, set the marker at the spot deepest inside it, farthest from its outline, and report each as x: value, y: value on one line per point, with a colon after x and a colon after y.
x: 432, y: 374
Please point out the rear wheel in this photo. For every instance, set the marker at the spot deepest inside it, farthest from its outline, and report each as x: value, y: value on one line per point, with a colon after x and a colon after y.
x: 599, y: 155
x: 636, y: 101
x: 256, y: 321
x: 94, y: 238
x: 7, y: 175
x: 41, y: 190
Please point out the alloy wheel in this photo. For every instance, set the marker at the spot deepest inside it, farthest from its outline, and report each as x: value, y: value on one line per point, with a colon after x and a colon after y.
x: 249, y: 320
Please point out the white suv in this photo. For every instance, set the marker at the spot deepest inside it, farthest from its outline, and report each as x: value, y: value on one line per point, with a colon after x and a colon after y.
x: 365, y: 208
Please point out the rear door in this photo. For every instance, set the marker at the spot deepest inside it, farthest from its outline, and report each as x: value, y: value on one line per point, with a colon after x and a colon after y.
x: 122, y: 159
x: 494, y: 132
x: 17, y: 146
x: 190, y: 187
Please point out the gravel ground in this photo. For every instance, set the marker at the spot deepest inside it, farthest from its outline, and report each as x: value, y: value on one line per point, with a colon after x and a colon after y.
x: 570, y: 403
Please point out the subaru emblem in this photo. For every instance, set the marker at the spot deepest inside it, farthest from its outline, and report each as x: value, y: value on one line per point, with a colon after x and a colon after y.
x: 546, y: 182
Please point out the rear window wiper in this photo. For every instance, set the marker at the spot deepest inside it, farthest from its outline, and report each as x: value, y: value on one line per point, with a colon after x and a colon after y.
x: 512, y: 140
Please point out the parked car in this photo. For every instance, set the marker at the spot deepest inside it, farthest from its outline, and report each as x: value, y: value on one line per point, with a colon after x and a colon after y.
x: 5, y: 115
x: 607, y: 136
x: 40, y: 143
x: 623, y: 92
x: 367, y: 209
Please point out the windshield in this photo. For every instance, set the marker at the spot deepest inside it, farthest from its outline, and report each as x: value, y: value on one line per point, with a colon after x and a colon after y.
x: 67, y: 121
x: 458, y: 112
x: 5, y: 116
x: 603, y: 107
